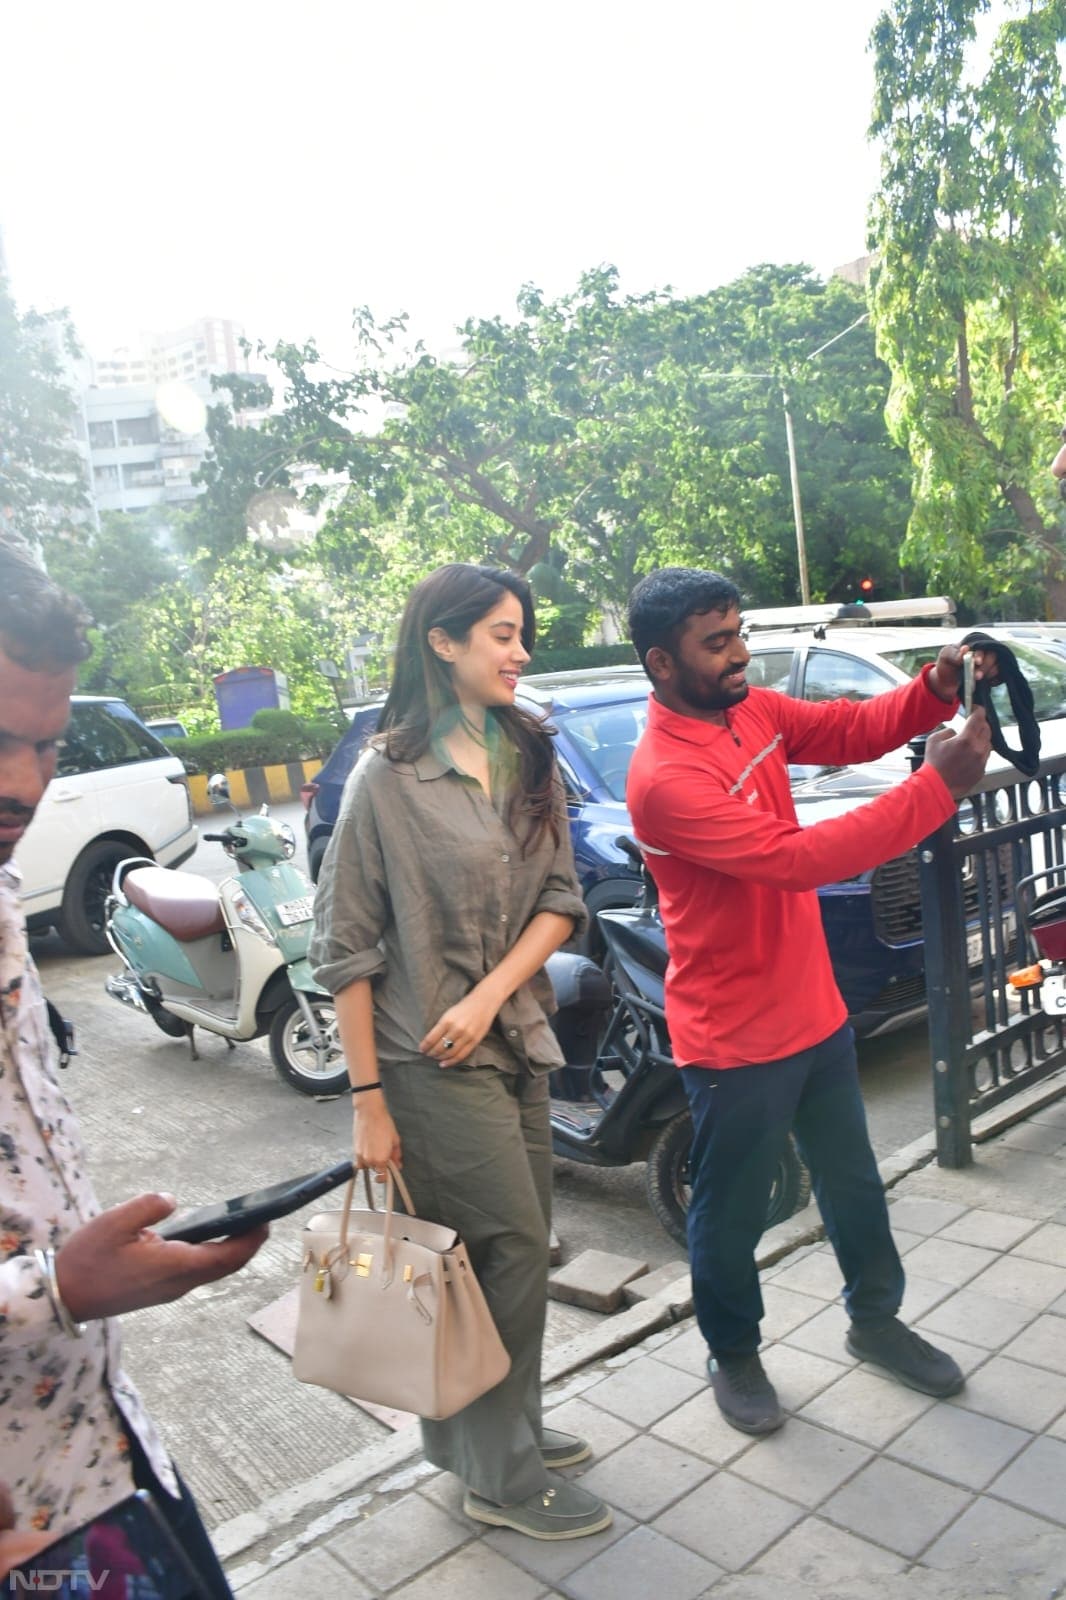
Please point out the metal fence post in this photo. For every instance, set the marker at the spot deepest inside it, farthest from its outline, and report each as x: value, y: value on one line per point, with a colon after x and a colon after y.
x: 948, y: 988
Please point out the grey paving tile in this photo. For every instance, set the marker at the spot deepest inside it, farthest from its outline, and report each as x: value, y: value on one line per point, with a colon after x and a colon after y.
x: 802, y: 1462
x: 728, y: 1521
x: 1059, y: 1308
x: 870, y: 1409
x: 961, y: 1445
x: 921, y: 1294
x: 1058, y: 1428
x: 896, y: 1506
x: 1036, y: 1480
x: 398, y: 1541
x: 817, y: 1274
x: 823, y: 1556
x: 1041, y: 1344
x: 921, y: 1215
x: 984, y: 1533
x: 446, y: 1491
x: 645, y: 1476
x: 687, y: 1351
x: 699, y: 1426
x: 315, y: 1572
x: 643, y: 1563
x: 783, y: 1310
x: 948, y: 1262
x: 1046, y: 1244
x: 1012, y: 1392
x: 475, y: 1573
x: 980, y: 1319
x: 905, y: 1241
x: 1054, y: 1113
x: 798, y: 1375
x: 604, y: 1431
x: 551, y: 1562
x: 991, y: 1230
x: 1022, y: 1281
x: 1044, y: 1138
x: 644, y: 1391
x: 824, y: 1335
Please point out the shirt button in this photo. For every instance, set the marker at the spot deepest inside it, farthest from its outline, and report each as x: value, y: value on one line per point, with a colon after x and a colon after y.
x: 505, y: 858
x: 503, y: 916
x: 512, y: 1033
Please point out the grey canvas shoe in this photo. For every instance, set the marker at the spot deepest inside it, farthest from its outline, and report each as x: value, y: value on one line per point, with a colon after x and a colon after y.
x: 746, y: 1397
x: 562, y: 1449
x: 890, y: 1344
x: 560, y: 1510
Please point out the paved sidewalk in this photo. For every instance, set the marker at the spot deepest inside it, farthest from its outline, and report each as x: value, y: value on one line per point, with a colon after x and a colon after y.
x: 869, y: 1492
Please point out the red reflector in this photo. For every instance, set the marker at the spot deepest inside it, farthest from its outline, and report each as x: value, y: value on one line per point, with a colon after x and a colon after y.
x: 307, y: 794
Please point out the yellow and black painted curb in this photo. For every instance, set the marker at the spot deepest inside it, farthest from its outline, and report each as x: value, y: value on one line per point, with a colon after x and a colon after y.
x: 251, y: 787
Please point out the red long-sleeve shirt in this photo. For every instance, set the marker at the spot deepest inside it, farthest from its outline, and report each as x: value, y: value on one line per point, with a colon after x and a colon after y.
x: 749, y: 977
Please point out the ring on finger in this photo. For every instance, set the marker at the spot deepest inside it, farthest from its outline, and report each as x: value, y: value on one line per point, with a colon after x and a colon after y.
x: 448, y: 1044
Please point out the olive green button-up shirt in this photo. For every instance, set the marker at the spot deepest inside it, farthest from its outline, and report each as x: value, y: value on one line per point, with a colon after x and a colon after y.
x: 424, y: 888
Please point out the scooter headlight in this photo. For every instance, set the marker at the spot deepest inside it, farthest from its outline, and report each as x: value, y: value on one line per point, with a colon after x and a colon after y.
x: 250, y: 918
x: 287, y: 839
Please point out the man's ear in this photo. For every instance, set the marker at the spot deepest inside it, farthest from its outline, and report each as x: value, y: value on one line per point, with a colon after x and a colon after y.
x: 441, y: 644
x: 660, y: 663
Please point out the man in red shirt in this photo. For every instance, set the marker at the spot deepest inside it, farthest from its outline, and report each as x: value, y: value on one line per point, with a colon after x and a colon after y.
x: 757, y: 1023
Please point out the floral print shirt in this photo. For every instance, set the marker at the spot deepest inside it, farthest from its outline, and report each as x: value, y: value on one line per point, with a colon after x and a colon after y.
x: 66, y: 1407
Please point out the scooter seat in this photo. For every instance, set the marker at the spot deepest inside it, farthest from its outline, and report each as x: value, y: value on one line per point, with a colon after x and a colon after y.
x: 183, y: 903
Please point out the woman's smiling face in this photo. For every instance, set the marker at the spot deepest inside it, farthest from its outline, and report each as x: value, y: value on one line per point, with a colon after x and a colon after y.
x: 487, y: 665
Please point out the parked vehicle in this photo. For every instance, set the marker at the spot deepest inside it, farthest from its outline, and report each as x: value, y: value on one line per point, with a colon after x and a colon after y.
x: 167, y: 728
x: 117, y: 792
x: 620, y: 1098
x: 322, y: 795
x: 230, y: 958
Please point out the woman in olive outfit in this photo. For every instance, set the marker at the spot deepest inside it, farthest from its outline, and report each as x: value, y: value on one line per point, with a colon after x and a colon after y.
x: 448, y: 882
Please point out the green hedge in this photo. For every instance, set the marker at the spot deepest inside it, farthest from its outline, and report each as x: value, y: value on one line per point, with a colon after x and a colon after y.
x: 295, y: 739
x: 574, y: 657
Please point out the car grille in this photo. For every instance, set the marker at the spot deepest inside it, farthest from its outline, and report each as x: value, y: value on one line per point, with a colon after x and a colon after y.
x: 897, y: 902
x: 901, y: 996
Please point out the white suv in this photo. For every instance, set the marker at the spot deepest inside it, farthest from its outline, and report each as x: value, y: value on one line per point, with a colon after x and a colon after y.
x: 117, y: 792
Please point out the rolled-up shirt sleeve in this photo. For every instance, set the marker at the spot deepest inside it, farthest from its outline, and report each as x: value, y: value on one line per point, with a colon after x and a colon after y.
x: 560, y: 891
x: 352, y: 900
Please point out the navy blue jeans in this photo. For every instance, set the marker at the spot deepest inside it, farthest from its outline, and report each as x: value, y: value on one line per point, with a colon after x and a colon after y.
x: 741, y: 1119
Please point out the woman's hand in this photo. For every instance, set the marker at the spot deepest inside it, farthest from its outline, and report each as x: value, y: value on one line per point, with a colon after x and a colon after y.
x: 375, y: 1139
x: 462, y: 1027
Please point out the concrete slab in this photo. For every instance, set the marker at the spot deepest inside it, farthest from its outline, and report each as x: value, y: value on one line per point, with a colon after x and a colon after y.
x: 728, y: 1520
x: 595, y: 1279
x: 643, y: 1563
x: 896, y: 1506
x: 670, y: 1282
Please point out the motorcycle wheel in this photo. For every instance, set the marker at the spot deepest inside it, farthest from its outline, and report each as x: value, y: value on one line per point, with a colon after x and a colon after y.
x: 165, y: 1020
x: 294, y: 1055
x: 666, y: 1179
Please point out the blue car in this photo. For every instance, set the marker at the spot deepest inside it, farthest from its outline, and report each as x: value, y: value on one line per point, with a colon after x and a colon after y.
x: 873, y: 923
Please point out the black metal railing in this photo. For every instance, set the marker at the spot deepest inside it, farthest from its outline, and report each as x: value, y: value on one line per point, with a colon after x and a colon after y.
x: 987, y: 1040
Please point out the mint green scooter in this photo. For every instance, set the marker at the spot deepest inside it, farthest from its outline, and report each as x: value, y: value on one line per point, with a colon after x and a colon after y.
x: 231, y: 958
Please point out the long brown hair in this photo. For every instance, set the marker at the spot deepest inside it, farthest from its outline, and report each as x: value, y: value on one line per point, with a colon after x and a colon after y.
x: 453, y: 598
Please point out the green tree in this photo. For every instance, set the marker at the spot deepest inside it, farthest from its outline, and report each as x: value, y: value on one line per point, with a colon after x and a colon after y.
x: 41, y: 482
x: 112, y: 567
x: 968, y: 289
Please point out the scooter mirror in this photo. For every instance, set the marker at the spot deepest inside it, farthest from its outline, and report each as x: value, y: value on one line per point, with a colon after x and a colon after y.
x: 218, y: 789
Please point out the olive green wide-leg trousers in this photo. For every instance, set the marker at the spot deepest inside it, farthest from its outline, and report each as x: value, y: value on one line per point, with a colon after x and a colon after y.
x: 477, y: 1156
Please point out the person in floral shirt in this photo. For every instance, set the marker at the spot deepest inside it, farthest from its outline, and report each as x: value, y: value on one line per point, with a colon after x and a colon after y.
x: 74, y: 1436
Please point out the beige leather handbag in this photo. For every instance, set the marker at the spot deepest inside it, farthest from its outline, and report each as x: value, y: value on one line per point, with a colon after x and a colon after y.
x: 390, y: 1310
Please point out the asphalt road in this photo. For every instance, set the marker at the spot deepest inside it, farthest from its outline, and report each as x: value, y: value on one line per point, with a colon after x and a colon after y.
x: 153, y: 1118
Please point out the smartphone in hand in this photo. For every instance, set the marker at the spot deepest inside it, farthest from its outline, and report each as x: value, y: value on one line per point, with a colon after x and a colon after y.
x: 130, y: 1549
x: 967, y: 684
x: 247, y: 1211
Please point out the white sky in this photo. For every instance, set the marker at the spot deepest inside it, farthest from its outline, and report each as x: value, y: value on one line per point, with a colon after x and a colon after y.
x: 280, y: 161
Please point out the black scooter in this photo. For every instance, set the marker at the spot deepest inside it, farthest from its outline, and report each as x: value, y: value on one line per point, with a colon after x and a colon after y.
x: 620, y: 1098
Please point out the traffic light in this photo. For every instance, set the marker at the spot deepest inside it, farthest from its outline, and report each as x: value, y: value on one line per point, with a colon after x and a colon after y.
x: 866, y: 588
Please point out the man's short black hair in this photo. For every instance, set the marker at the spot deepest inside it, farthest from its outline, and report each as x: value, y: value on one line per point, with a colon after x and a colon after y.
x: 41, y: 626
x: 662, y: 603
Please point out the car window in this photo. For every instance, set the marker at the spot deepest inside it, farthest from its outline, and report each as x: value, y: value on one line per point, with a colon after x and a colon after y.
x: 830, y: 675
x: 352, y: 745
x: 605, y: 737
x: 102, y: 736
x: 770, y: 669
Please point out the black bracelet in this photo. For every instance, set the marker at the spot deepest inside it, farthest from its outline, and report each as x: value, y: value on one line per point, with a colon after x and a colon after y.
x: 361, y: 1088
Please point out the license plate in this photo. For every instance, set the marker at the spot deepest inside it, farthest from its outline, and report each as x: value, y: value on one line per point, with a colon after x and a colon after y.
x: 974, y: 941
x: 293, y: 911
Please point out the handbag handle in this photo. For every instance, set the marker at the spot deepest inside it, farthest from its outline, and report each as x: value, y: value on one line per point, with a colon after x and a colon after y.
x: 393, y: 1181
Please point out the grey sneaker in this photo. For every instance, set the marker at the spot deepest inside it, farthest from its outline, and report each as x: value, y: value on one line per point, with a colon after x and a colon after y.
x: 890, y: 1344
x: 560, y: 1510
x: 562, y: 1449
x: 746, y: 1397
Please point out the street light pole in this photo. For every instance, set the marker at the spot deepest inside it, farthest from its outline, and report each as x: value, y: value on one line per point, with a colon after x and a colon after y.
x: 797, y: 504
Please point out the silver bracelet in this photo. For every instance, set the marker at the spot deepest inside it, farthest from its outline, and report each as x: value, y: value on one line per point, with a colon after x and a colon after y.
x: 46, y: 1260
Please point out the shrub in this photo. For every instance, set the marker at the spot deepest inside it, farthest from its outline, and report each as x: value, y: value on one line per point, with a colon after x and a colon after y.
x: 575, y: 657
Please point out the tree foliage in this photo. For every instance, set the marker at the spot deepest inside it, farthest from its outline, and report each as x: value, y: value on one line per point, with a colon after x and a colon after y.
x: 41, y: 483
x: 968, y: 289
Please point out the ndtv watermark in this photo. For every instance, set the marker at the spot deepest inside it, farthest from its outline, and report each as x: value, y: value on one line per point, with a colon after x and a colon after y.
x: 56, y: 1580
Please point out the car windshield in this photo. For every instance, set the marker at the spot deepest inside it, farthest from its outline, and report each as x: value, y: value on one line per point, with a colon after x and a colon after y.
x: 1046, y: 675
x: 605, y: 738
